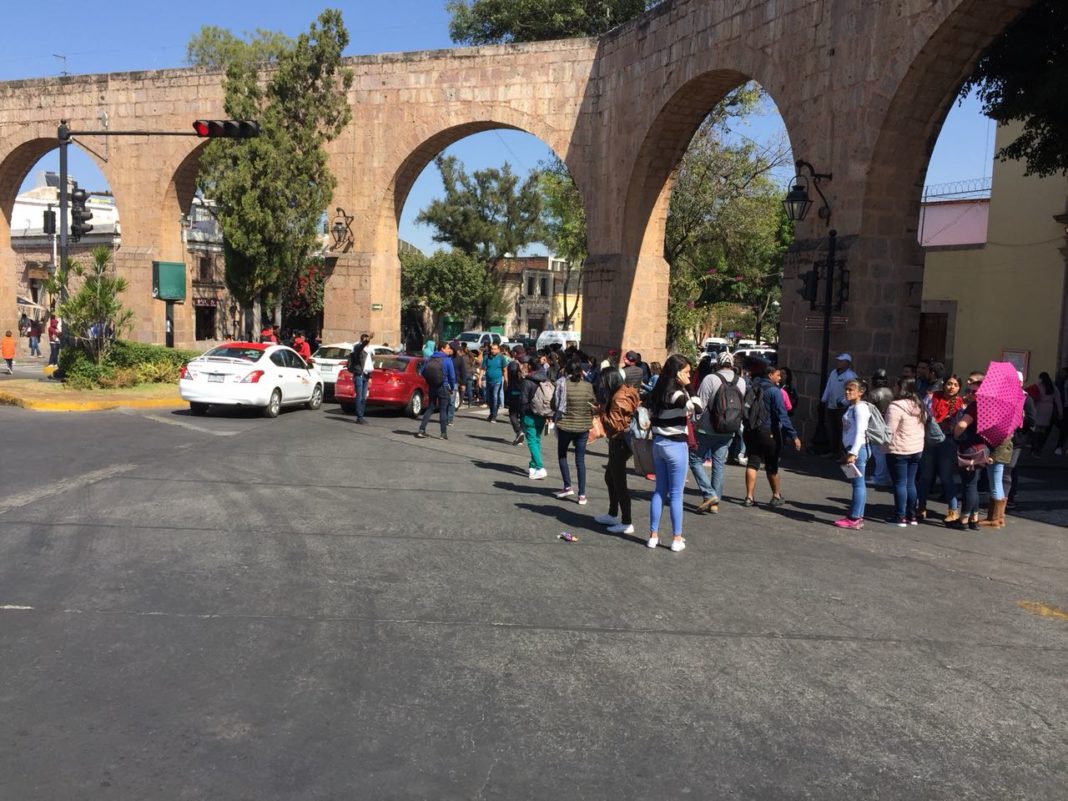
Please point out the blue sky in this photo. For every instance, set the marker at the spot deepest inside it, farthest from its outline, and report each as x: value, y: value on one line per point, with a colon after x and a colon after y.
x: 123, y: 35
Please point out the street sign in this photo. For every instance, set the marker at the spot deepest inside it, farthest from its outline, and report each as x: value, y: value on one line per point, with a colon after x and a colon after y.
x: 376, y: 307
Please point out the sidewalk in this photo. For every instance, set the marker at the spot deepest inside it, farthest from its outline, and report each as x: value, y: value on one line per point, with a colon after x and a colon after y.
x: 45, y: 395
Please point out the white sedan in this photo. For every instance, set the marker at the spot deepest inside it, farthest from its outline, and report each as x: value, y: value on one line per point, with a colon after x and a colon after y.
x: 250, y: 374
x: 330, y: 359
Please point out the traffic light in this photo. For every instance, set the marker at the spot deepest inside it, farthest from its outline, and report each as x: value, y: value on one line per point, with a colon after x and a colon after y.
x: 226, y: 129
x: 49, y: 226
x: 809, y: 285
x: 79, y: 215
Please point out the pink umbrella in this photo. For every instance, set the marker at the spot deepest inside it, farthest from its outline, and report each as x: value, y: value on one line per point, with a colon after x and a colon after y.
x: 1000, y: 403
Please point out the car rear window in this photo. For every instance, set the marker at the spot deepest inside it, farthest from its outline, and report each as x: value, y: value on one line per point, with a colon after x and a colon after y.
x: 331, y: 353
x: 235, y: 352
x: 391, y: 363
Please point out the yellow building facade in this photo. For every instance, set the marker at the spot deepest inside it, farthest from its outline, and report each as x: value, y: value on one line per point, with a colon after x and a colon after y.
x: 1005, y: 297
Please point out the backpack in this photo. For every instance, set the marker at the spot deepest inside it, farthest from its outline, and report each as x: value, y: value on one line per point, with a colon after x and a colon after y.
x: 757, y: 413
x: 541, y: 404
x: 727, y: 407
x: 877, y: 433
x: 433, y: 372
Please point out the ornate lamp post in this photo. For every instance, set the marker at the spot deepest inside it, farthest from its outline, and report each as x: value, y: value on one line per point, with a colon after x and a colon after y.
x: 797, y: 204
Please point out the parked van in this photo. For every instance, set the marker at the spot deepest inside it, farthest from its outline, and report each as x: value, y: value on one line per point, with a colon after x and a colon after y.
x: 476, y: 340
x: 716, y: 345
x: 561, y: 338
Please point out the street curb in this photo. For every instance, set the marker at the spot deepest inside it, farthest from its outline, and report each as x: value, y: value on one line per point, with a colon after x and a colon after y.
x: 7, y: 399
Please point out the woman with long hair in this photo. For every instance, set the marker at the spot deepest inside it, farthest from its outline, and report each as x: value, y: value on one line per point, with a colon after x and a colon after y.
x: 906, y: 418
x: 620, y: 405
x: 574, y: 416
x: 964, y: 435
x: 670, y: 404
x: 947, y: 405
x: 855, y: 443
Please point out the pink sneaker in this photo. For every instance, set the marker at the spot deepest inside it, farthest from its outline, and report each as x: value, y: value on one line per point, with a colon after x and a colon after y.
x: 848, y: 522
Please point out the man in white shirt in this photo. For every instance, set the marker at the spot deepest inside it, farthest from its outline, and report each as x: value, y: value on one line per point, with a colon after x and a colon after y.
x: 834, y: 400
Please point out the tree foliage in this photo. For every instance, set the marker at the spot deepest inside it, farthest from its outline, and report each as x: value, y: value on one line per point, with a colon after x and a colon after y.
x: 1023, y: 77
x: 91, y: 311
x: 479, y: 22
x: 217, y: 48
x: 727, y: 233
x: 564, y: 228
x: 269, y: 193
x: 448, y: 284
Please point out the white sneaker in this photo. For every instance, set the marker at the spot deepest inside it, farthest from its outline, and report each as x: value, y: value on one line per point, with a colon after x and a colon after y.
x: 606, y: 520
x: 652, y: 542
x: 539, y: 474
x: 581, y: 500
x: 619, y: 528
x: 678, y: 545
x: 564, y: 493
x: 530, y: 472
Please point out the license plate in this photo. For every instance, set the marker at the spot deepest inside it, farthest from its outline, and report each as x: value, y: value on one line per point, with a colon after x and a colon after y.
x: 216, y: 378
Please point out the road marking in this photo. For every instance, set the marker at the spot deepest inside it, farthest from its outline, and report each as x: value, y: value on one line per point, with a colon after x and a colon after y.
x: 63, y: 485
x: 182, y: 424
x: 1043, y: 610
x: 14, y: 608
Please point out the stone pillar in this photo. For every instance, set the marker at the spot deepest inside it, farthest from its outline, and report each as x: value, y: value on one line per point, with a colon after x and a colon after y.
x: 134, y: 263
x: 624, y: 305
x: 362, y: 293
x: 878, y: 325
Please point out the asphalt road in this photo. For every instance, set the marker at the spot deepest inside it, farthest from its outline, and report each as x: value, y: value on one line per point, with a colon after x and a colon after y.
x: 302, y: 608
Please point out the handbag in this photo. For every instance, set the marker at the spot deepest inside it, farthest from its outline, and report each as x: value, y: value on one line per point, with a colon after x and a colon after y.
x: 973, y: 456
x: 691, y: 434
x: 934, y: 435
x: 596, y: 429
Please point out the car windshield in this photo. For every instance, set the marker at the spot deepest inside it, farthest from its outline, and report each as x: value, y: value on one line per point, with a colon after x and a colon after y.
x: 391, y: 363
x: 332, y: 353
x: 235, y: 352
x: 469, y: 336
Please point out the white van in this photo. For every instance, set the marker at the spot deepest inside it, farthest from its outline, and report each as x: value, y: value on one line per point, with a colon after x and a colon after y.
x: 561, y: 338
x: 715, y: 345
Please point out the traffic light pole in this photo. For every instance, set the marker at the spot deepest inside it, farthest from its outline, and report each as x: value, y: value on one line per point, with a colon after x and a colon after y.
x: 64, y: 135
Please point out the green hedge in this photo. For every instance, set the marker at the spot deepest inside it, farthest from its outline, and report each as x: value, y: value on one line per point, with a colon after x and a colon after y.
x: 127, y: 364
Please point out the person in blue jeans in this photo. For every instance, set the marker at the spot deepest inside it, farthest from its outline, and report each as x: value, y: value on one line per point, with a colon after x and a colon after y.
x: 857, y: 450
x: 361, y: 366
x: 906, y: 422
x: 670, y: 404
x: 440, y: 378
x: 493, y: 365
x: 710, y: 444
x: 574, y: 417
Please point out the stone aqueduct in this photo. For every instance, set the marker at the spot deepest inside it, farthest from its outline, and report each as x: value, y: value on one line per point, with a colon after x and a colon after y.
x: 862, y: 85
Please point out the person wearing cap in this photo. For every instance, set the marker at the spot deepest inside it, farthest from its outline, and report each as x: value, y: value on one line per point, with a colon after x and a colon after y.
x: 834, y: 399
x: 713, y: 444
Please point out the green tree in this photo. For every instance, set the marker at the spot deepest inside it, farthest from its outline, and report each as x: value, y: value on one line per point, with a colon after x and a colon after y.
x: 564, y: 226
x: 269, y: 193
x: 91, y: 311
x: 447, y: 284
x: 479, y: 22
x: 1023, y: 76
x: 726, y: 234
x: 485, y: 215
x: 216, y: 48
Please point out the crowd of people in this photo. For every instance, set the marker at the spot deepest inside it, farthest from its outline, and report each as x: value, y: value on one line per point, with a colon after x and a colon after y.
x: 924, y: 430
x: 679, y: 419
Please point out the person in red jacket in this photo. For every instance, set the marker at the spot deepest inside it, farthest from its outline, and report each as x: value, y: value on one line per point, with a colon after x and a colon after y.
x: 7, y: 350
x: 301, y: 346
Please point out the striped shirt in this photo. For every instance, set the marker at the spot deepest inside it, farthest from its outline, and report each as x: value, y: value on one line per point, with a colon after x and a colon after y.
x: 670, y: 422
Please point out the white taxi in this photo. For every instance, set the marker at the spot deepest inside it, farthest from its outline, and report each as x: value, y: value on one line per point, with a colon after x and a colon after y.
x: 250, y: 374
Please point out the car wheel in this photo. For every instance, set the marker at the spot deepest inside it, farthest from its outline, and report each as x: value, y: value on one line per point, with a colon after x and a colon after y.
x: 316, y: 398
x: 347, y: 407
x: 415, y: 405
x: 199, y: 409
x: 274, y: 405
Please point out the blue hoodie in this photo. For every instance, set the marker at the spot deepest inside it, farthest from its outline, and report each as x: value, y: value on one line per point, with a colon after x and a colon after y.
x: 448, y: 370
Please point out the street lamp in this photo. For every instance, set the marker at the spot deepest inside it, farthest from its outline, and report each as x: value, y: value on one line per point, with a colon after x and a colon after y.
x: 341, y: 229
x: 797, y: 204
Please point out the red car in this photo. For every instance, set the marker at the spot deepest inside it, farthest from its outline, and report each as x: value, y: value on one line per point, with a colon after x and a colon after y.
x: 395, y: 383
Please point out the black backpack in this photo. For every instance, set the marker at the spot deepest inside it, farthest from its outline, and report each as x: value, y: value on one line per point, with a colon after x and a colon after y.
x: 727, y: 409
x: 433, y: 372
x: 757, y: 413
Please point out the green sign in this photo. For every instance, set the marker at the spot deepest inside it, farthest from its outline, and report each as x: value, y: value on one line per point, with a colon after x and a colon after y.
x: 168, y: 280
x: 376, y: 307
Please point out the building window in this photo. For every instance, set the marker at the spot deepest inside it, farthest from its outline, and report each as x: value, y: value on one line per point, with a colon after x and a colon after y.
x: 530, y: 285
x: 206, y: 269
x: 205, y: 322
x: 544, y: 286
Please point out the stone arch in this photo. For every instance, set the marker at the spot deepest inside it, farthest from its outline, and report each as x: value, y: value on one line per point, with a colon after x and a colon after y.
x: 917, y: 111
